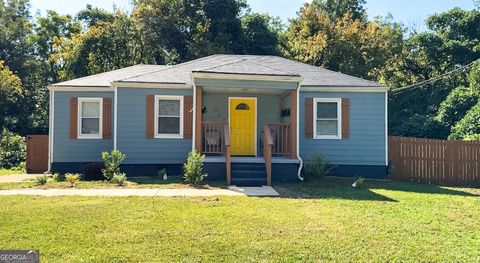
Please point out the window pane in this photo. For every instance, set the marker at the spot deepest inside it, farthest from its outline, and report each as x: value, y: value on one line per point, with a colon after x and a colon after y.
x: 90, y: 125
x: 327, y: 110
x: 169, y: 107
x: 168, y: 125
x: 91, y: 109
x: 327, y: 127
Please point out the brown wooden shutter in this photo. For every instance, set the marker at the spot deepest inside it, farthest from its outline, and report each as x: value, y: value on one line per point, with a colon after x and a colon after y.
x: 345, y: 118
x: 107, y: 118
x: 309, y: 118
x: 150, y: 117
x: 187, y: 117
x: 73, y: 117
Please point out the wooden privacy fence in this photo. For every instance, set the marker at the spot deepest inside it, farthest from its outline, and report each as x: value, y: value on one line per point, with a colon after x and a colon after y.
x: 37, y: 153
x: 449, y: 163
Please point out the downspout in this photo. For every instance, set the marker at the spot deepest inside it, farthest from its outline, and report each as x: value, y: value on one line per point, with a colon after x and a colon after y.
x: 50, y: 131
x: 194, y: 89
x: 299, y: 175
x: 115, y: 117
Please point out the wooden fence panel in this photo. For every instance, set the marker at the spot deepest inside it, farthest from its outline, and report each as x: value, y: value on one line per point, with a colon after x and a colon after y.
x: 37, y: 153
x: 449, y: 163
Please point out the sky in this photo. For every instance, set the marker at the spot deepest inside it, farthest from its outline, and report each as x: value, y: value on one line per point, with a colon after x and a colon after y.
x: 411, y: 13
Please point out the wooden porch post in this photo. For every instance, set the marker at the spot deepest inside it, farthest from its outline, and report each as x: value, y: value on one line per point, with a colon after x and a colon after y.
x: 198, y: 119
x: 293, y: 124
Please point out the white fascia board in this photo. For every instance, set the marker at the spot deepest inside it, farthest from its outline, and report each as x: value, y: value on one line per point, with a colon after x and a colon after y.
x: 245, y: 77
x: 80, y: 88
x: 346, y: 89
x: 122, y: 84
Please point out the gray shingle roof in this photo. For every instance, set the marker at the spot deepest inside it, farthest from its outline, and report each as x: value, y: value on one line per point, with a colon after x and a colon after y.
x: 227, y: 64
x: 104, y: 79
x: 251, y: 64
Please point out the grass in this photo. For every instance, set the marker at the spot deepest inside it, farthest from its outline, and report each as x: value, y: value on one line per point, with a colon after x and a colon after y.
x: 133, y: 182
x: 313, y: 221
x: 9, y: 172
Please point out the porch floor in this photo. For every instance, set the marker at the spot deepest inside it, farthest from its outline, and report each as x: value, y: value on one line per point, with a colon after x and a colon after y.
x: 221, y: 159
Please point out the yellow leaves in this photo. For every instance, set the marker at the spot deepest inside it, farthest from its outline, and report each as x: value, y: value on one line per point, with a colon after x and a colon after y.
x: 9, y: 82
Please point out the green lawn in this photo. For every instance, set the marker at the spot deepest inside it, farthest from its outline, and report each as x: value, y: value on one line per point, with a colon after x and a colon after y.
x: 311, y: 222
x: 9, y: 172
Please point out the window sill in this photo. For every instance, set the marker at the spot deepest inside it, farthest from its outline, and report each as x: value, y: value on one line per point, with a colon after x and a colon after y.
x: 89, y: 138
x: 327, y: 138
x: 168, y: 136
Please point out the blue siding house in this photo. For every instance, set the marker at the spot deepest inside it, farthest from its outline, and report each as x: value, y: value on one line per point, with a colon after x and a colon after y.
x: 256, y: 118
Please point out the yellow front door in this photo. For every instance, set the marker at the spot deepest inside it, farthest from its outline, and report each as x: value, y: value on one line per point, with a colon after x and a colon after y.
x: 242, y: 126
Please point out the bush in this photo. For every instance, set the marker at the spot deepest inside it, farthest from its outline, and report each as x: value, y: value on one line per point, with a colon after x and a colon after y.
x: 119, y: 179
x: 359, y: 182
x: 41, y: 179
x: 316, y: 167
x: 12, y: 150
x: 469, y: 125
x: 193, y: 168
x: 72, y: 179
x: 93, y: 171
x: 57, y: 177
x: 112, y: 163
x: 454, y: 107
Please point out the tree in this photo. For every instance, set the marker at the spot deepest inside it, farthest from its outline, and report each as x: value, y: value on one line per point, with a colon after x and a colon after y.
x: 468, y: 126
x: 91, y: 16
x: 338, y: 8
x: 260, y: 34
x: 454, y: 107
x: 10, y: 90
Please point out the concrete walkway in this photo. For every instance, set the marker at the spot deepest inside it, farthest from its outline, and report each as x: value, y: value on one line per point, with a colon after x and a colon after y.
x: 231, y: 191
x: 17, y: 178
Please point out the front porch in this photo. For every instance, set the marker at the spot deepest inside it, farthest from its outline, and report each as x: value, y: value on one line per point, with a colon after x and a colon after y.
x: 247, y: 153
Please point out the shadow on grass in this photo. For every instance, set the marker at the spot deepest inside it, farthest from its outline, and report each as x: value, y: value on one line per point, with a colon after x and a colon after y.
x: 328, y: 188
x: 341, y: 188
x: 174, y: 180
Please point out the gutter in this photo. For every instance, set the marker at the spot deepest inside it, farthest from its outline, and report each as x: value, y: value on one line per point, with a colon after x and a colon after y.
x: 298, y: 135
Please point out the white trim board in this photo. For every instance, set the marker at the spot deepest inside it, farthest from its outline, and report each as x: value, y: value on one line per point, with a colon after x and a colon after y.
x: 345, y: 89
x: 79, y: 119
x: 256, y: 125
x: 339, y: 119
x: 168, y: 136
x: 202, y: 75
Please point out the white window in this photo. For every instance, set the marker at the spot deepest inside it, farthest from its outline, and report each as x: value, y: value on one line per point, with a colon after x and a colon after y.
x: 90, y: 118
x: 327, y: 114
x: 168, y: 116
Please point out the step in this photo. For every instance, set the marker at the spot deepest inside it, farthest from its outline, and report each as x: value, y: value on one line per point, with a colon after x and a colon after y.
x: 249, y: 181
x: 248, y: 166
x: 249, y: 174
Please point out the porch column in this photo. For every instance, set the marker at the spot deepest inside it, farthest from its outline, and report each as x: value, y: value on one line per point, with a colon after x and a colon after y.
x: 198, y: 118
x: 293, y: 124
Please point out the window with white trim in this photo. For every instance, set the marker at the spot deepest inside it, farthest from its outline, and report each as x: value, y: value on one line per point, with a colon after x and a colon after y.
x: 168, y: 116
x: 327, y: 114
x: 90, y: 118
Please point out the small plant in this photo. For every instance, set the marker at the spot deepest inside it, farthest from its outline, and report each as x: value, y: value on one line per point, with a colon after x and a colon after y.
x: 119, y: 179
x: 316, y: 167
x: 359, y: 182
x: 162, y: 174
x: 193, y: 169
x: 41, y: 179
x: 112, y: 163
x: 72, y: 179
x: 57, y: 177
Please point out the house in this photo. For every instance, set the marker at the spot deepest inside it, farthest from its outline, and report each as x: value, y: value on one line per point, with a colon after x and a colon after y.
x: 256, y: 118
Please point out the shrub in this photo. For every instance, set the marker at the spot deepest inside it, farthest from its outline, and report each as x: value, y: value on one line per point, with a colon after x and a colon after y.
x: 112, y: 163
x: 119, y: 179
x: 469, y: 125
x: 57, y: 177
x: 93, y: 171
x: 72, y: 179
x: 162, y: 173
x: 454, y: 107
x: 12, y: 149
x: 316, y: 166
x: 359, y: 182
x: 41, y: 179
x: 193, y: 168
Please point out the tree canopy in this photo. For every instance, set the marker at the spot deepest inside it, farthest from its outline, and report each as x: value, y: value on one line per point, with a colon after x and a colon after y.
x: 335, y: 34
